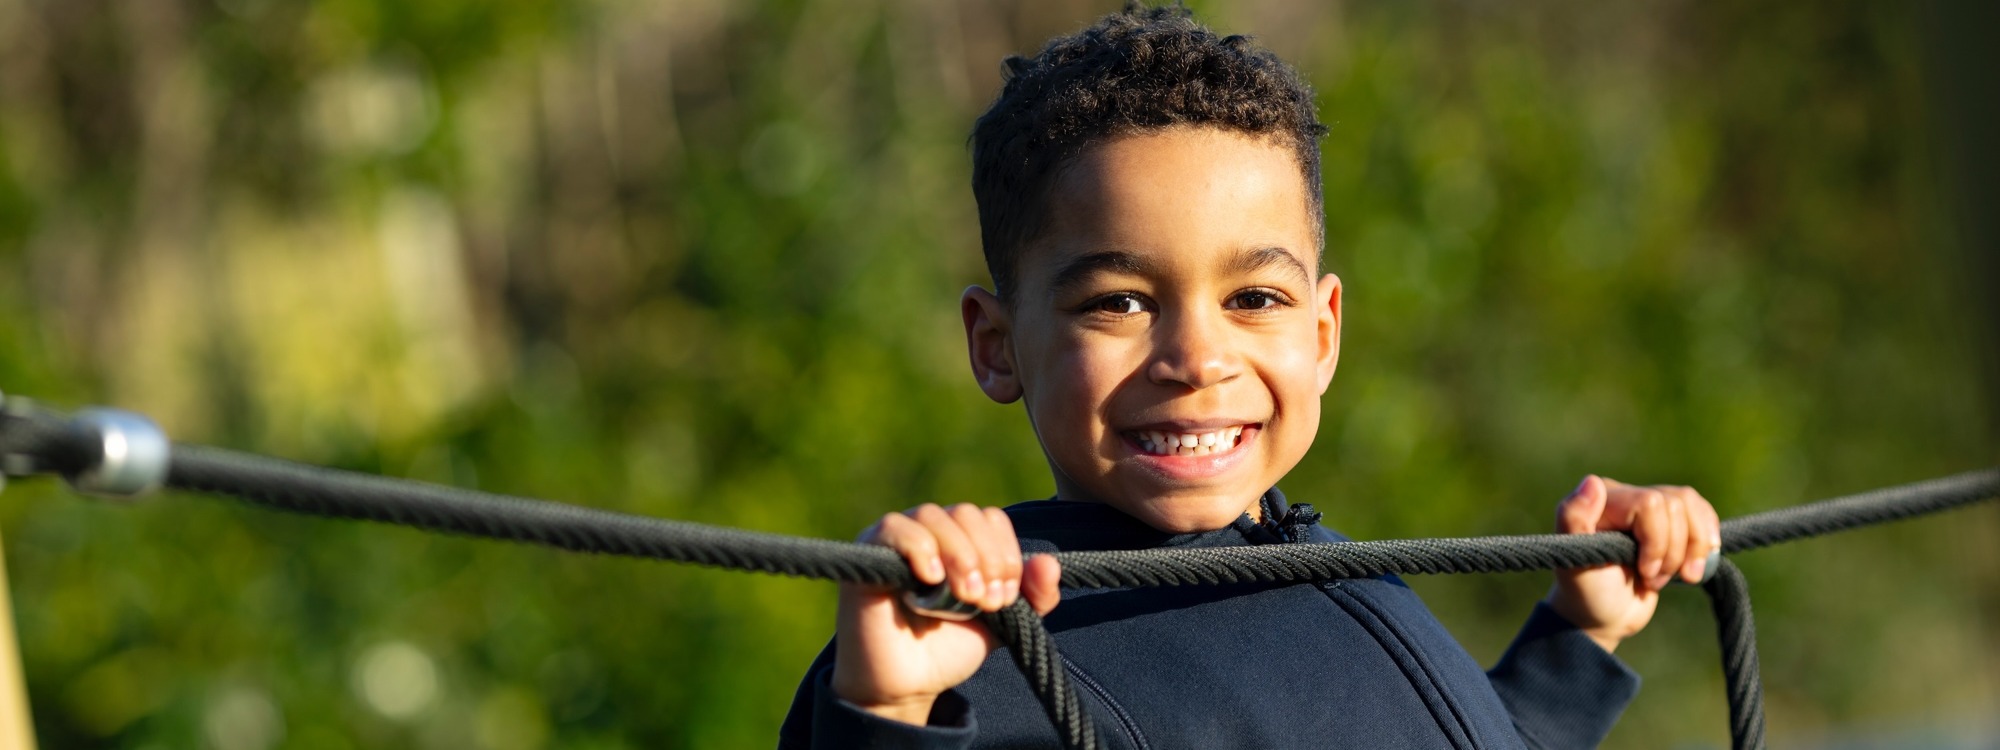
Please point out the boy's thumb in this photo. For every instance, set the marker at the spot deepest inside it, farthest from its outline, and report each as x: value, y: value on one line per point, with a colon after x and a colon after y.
x: 1579, y: 512
x: 1041, y: 582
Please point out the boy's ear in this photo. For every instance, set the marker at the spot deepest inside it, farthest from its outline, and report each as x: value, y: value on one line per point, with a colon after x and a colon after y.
x: 989, y: 342
x: 1326, y: 303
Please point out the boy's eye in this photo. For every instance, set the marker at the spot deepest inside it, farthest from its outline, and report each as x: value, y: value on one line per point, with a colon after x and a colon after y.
x: 1120, y: 304
x: 1256, y: 300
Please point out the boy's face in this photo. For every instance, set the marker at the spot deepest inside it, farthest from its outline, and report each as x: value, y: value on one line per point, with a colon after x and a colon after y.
x: 1169, y: 336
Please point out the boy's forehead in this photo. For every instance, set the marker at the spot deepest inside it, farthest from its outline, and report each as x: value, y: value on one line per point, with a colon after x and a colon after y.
x: 1217, y: 199
x: 1178, y: 165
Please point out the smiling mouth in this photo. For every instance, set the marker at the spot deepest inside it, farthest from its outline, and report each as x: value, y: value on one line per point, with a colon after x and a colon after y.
x: 1161, y: 443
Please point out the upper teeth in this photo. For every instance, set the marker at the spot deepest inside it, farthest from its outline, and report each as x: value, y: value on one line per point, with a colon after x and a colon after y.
x: 1189, y: 443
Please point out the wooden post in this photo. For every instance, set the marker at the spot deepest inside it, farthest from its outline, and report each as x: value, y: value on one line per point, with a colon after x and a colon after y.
x: 17, y: 726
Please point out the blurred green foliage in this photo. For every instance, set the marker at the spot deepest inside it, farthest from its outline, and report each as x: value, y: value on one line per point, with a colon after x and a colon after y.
x: 700, y: 259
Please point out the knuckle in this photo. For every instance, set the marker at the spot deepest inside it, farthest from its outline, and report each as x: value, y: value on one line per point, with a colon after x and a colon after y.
x: 886, y: 529
x: 966, y: 514
x: 961, y: 564
x: 907, y: 540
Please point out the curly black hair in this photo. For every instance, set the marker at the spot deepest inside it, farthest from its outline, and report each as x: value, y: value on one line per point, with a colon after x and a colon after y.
x: 1132, y: 72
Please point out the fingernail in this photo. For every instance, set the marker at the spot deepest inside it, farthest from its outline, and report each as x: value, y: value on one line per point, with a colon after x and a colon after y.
x: 996, y: 593
x: 935, y: 569
x: 1013, y: 591
x: 974, y: 583
x: 1697, y: 568
x: 1579, y: 487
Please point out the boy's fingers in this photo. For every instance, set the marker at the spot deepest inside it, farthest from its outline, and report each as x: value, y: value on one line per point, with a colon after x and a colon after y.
x: 1704, y: 536
x: 1676, y: 547
x: 1578, y: 513
x: 1010, y: 552
x: 1623, y: 506
x: 961, y: 558
x: 914, y: 542
x: 1649, y: 520
x: 1041, y: 581
x: 1714, y: 526
x: 972, y: 521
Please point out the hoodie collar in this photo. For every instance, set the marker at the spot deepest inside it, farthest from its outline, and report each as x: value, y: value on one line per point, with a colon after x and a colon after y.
x: 1069, y: 526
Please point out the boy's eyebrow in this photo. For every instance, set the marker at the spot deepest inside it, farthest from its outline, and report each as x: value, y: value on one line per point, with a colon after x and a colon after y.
x: 1258, y: 259
x: 1080, y: 268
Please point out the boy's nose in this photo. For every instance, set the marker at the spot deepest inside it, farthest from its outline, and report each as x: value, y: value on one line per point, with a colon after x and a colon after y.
x: 1192, y: 351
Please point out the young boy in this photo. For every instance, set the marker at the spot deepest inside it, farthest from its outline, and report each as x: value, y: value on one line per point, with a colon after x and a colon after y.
x: 1149, y: 200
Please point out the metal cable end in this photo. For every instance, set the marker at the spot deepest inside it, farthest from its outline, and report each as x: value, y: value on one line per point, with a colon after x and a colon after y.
x: 135, y: 454
x: 936, y: 600
x: 1714, y: 564
x: 1707, y: 569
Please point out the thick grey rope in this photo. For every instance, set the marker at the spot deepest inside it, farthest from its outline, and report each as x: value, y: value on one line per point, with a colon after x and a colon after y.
x: 1863, y: 509
x: 1034, y: 654
x: 320, y: 491
x: 300, y: 488
x: 1729, y: 599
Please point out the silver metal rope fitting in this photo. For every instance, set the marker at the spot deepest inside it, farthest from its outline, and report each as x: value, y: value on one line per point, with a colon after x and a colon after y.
x: 936, y: 600
x: 1707, y: 570
x: 135, y: 454
x: 1714, y: 564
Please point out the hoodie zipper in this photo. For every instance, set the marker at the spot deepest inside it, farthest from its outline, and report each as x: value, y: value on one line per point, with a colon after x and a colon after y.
x: 1117, y: 711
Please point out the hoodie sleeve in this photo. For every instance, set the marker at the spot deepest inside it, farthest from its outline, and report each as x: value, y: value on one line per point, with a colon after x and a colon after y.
x: 821, y: 720
x: 1562, y: 689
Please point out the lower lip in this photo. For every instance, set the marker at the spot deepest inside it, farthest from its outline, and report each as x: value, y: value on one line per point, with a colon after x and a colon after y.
x: 1191, y: 468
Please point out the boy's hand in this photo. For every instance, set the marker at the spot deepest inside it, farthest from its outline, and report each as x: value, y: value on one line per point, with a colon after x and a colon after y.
x: 1676, y: 530
x: 894, y: 663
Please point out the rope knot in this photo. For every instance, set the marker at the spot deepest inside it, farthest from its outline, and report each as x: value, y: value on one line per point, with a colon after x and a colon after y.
x: 1298, y: 522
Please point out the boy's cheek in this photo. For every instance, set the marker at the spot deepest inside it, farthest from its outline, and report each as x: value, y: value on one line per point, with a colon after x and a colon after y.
x: 1087, y: 377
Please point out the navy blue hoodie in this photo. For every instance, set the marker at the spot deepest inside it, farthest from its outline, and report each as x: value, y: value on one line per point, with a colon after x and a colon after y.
x: 1340, y: 664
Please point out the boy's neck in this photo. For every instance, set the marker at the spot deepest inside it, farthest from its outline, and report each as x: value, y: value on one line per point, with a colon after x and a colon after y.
x: 1069, y: 492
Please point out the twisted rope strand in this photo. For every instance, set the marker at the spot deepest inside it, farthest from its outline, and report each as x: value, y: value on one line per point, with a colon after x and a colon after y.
x: 1729, y: 598
x: 1857, y: 510
x: 1034, y: 653
x: 318, y: 491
